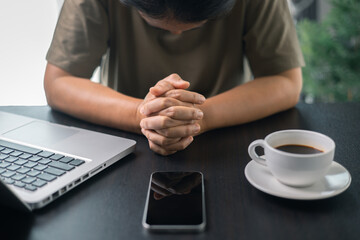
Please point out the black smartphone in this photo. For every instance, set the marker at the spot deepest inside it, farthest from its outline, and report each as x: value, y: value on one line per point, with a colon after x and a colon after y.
x: 175, y: 202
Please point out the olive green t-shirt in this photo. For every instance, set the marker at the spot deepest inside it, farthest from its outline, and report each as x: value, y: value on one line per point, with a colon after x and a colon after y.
x: 134, y: 56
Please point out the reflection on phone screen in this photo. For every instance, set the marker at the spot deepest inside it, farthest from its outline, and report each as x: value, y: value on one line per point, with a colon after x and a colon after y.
x: 175, y: 199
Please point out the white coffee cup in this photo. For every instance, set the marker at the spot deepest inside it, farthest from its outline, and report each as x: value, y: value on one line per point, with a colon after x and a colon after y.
x: 295, y: 169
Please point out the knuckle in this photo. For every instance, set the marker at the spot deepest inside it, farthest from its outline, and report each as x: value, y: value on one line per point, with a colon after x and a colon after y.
x: 175, y: 93
x: 167, y: 102
x: 188, y: 130
x: 143, y: 123
x: 149, y: 136
x: 156, y: 149
x: 194, y: 114
x: 159, y: 83
x: 163, y: 84
x: 143, y: 131
x: 163, y: 152
x: 152, y: 146
x: 161, y: 141
x: 174, y: 76
x: 171, y: 112
x: 164, y: 121
x: 164, y: 141
x: 166, y: 133
x: 183, y: 145
x: 144, y: 109
x: 194, y: 97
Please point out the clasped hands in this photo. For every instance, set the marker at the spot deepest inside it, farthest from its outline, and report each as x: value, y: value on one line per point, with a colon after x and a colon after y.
x: 169, y: 115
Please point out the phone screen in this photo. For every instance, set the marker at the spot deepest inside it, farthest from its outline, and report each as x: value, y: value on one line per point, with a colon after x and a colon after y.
x: 175, y: 201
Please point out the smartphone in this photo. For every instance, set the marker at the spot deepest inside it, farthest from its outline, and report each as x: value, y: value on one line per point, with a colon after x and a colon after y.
x: 175, y: 202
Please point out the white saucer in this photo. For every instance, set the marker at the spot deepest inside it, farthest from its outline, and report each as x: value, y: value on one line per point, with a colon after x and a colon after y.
x: 336, y: 181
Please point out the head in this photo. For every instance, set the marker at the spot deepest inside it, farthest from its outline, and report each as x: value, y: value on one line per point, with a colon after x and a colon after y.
x: 177, y: 16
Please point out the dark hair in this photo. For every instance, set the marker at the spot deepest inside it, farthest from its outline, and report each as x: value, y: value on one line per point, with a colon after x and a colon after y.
x: 183, y: 10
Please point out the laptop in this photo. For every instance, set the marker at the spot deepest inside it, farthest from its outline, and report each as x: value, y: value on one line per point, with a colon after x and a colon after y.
x: 40, y: 161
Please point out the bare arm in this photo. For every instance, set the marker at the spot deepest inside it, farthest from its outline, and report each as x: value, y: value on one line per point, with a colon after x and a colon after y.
x: 251, y: 101
x: 96, y: 103
x: 90, y: 101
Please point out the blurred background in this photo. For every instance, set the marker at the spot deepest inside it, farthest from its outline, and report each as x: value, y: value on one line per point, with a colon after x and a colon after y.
x: 26, y: 28
x: 328, y: 30
x: 26, y: 31
x: 329, y: 34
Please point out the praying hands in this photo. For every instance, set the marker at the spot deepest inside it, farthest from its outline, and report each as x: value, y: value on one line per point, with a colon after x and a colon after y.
x: 170, y: 117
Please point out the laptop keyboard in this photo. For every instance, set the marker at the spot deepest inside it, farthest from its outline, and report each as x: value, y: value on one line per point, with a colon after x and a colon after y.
x: 31, y: 168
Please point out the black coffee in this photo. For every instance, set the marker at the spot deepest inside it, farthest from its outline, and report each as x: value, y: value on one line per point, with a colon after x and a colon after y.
x: 301, y: 149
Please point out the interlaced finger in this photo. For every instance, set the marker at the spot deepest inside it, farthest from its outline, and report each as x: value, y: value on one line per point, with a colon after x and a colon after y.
x: 161, y: 103
x: 159, y: 139
x: 185, y: 96
x: 180, y: 131
x: 182, y: 113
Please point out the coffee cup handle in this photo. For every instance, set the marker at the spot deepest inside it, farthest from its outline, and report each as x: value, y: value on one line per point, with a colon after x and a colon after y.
x: 253, y: 154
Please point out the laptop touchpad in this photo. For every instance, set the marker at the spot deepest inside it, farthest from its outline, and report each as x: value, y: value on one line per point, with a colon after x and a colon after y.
x: 41, y: 133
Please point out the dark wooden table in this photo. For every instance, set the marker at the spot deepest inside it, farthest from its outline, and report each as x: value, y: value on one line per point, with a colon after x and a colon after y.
x: 110, y: 205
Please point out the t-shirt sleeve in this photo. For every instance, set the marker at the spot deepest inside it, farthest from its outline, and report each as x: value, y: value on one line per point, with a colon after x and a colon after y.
x: 80, y: 38
x: 270, y: 38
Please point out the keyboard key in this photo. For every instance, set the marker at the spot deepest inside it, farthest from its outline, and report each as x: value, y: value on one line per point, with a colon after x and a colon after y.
x: 7, y: 151
x: 16, y: 153
x: 8, y: 181
x: 8, y: 174
x: 11, y: 159
x: 4, y: 164
x: 66, y: 159
x: 33, y: 173
x: 28, y: 180
x: 19, y: 147
x: 30, y: 164
x: 40, y: 167
x: 44, y: 161
x: 3, y: 156
x: 61, y: 166
x: 35, y: 158
x: 23, y: 170
x: 21, y: 162
x: 46, y: 154
x: 56, y: 157
x: 54, y: 171
x: 19, y: 184
x: 77, y: 162
x: 1, y: 148
x: 2, y: 170
x: 39, y: 183
x: 25, y: 156
x: 18, y: 177
x: 46, y: 177
x: 30, y: 187
x: 13, y: 167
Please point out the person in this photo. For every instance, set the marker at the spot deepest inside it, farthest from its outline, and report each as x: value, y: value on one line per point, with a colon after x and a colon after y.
x: 173, y: 69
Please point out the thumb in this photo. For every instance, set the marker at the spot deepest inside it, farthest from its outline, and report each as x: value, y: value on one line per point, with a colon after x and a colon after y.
x: 171, y: 82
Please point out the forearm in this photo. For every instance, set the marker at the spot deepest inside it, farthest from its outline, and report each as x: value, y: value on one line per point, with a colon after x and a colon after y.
x: 251, y: 101
x: 92, y: 102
